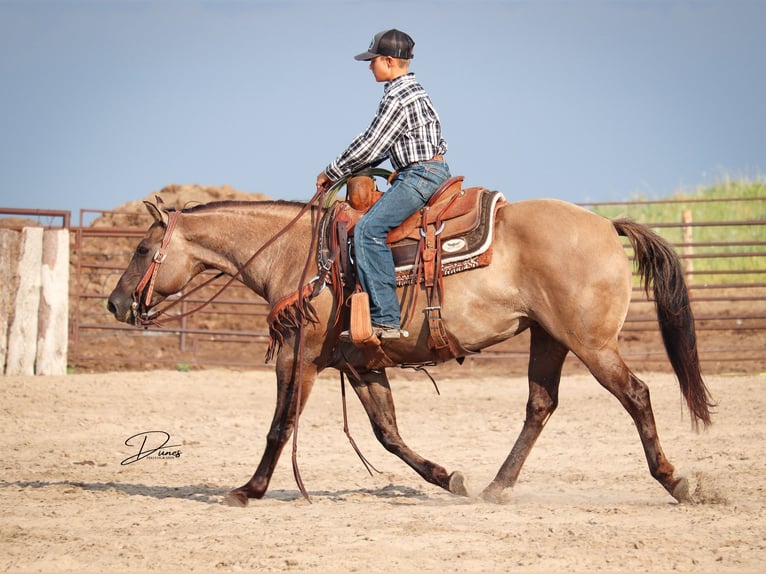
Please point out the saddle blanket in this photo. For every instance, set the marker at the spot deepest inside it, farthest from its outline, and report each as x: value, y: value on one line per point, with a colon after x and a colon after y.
x: 467, y: 250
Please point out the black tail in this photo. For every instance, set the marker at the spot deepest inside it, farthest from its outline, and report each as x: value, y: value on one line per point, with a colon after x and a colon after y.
x: 658, y: 265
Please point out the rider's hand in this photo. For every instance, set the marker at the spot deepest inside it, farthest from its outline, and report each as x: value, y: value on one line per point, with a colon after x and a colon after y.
x: 323, y: 182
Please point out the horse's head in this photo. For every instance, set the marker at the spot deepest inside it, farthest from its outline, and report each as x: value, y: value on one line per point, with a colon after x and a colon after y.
x: 159, y: 268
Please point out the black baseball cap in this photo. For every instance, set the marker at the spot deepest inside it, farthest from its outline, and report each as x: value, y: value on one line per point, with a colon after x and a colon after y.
x: 389, y: 43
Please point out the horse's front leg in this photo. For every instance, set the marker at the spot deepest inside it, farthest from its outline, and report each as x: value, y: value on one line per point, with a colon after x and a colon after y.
x: 374, y: 392
x: 281, y: 425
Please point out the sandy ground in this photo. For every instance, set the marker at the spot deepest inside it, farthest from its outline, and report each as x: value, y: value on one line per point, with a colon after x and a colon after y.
x: 585, y: 500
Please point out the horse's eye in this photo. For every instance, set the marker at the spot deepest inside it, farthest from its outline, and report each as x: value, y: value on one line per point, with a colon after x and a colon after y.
x: 142, y: 250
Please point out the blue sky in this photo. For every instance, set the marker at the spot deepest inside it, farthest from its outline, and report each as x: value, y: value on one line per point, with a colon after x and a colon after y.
x: 104, y: 102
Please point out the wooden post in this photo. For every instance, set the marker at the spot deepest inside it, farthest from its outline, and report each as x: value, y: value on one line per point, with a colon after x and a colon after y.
x: 53, y: 335
x: 22, y: 336
x: 9, y: 246
x: 688, y: 250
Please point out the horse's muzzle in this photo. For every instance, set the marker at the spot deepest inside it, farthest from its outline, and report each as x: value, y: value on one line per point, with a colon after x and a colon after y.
x: 122, y: 310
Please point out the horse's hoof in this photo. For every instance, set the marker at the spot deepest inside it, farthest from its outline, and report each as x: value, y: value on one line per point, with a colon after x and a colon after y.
x: 457, y: 484
x: 681, y: 492
x: 236, y: 498
x: 492, y: 494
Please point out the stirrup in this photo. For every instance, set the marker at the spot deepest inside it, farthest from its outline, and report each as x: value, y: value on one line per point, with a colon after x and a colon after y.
x: 380, y: 332
x: 383, y: 332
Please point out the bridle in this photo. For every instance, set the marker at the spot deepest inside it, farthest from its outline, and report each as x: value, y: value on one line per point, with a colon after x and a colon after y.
x: 142, y: 301
x: 142, y: 296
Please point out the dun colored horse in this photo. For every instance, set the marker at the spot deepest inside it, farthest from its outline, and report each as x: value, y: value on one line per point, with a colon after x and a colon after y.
x: 557, y: 270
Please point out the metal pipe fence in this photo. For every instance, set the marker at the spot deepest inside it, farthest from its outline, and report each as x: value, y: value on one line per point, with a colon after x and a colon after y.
x: 728, y: 297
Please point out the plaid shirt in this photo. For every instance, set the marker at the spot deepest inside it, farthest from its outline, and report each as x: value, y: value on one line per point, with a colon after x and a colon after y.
x: 406, y: 129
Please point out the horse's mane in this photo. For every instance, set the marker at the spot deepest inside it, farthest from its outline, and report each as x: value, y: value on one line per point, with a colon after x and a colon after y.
x: 240, y: 204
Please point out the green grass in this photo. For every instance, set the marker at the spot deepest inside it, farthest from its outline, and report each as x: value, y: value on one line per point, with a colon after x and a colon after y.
x: 730, y: 201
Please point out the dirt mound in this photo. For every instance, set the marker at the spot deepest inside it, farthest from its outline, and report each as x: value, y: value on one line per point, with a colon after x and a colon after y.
x: 18, y: 223
x: 134, y: 214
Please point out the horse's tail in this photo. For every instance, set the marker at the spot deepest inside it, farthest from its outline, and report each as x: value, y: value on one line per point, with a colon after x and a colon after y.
x: 659, y: 265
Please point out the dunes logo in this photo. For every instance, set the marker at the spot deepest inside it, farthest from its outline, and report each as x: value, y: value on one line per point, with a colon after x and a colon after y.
x: 151, y: 445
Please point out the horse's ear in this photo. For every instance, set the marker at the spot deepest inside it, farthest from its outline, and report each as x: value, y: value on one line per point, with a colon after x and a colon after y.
x: 158, y: 215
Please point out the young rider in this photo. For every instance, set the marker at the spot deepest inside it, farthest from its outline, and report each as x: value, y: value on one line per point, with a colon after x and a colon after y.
x: 406, y: 130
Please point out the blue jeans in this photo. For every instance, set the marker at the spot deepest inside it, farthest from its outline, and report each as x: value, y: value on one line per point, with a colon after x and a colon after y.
x: 411, y: 189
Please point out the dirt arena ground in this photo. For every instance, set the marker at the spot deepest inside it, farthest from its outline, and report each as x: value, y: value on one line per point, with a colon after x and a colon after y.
x: 585, y: 500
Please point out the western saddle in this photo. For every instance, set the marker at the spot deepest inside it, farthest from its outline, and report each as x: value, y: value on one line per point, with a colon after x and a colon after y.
x: 451, y: 233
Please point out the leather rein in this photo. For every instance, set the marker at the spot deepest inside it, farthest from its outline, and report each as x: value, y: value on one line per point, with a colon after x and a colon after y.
x: 142, y: 296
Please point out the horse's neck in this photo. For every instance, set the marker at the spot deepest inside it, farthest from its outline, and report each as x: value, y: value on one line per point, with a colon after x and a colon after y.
x: 245, y: 243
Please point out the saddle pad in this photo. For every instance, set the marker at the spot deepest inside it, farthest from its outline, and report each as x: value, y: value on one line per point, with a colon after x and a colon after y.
x: 459, y: 252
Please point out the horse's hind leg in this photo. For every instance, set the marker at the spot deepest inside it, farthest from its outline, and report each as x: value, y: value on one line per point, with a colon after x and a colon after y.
x: 546, y: 357
x: 374, y: 392
x: 610, y: 370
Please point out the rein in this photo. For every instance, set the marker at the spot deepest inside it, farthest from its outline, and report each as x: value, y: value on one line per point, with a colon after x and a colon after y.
x: 142, y: 297
x: 141, y: 308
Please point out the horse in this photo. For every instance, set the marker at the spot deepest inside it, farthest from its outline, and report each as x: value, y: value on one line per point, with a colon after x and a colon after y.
x: 557, y: 270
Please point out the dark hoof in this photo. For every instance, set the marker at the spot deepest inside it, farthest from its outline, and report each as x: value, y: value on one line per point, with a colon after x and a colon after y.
x: 457, y: 484
x: 236, y: 498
